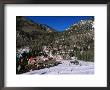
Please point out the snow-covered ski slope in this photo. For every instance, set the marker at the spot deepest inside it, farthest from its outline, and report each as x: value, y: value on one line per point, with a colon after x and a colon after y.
x: 66, y: 68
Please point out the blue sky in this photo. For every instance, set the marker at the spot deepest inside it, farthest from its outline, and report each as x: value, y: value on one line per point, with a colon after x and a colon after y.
x: 58, y: 23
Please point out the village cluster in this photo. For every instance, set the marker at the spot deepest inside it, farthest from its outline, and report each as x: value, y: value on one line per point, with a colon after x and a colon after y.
x: 28, y: 59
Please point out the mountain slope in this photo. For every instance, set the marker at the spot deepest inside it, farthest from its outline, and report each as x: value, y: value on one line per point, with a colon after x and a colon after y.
x: 27, y: 30
x: 77, y: 40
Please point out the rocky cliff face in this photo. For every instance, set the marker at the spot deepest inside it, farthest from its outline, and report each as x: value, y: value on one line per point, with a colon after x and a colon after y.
x: 77, y: 40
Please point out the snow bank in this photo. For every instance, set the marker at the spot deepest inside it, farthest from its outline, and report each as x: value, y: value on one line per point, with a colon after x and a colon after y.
x: 66, y: 68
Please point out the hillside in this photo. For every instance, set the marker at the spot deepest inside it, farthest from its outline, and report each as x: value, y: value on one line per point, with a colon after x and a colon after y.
x: 77, y: 40
x: 27, y: 31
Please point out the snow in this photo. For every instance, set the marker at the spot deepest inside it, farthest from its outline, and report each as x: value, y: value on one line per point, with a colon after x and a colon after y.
x: 66, y: 68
